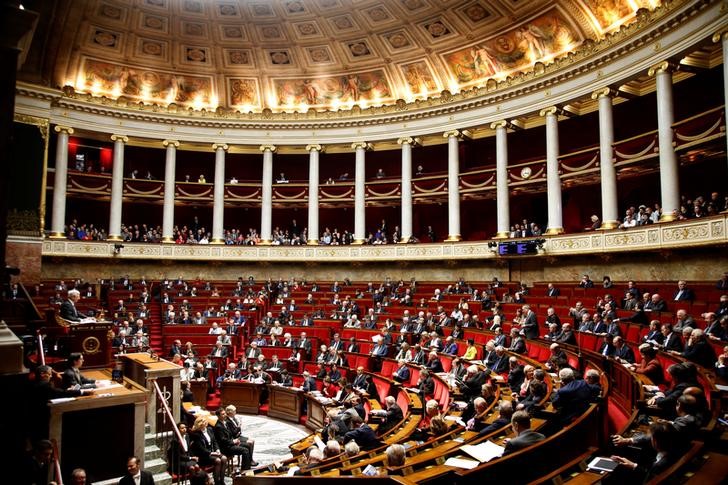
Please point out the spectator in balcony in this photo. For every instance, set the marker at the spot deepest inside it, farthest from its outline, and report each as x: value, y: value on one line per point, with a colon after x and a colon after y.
x: 683, y: 293
x: 420, y: 171
x: 595, y: 223
x: 630, y: 220
x: 282, y: 179
x: 380, y: 174
x: 552, y: 291
x: 585, y: 282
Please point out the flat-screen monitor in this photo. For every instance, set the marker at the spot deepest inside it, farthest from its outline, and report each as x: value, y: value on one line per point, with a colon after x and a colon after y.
x: 517, y: 248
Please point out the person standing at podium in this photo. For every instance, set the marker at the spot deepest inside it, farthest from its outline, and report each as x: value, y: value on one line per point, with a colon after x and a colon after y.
x: 72, y: 377
x: 68, y: 307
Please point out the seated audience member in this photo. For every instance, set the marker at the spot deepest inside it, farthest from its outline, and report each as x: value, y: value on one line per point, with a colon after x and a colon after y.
x: 622, y: 352
x: 683, y: 293
x: 505, y: 412
x: 72, y: 377
x: 205, y: 448
x: 518, y: 344
x: 532, y: 403
x: 650, y: 365
x: 573, y: 397
x: 721, y: 365
x: 683, y: 376
x: 654, y: 336
x: 351, y: 449
x: 363, y: 434
x: 567, y: 335
x: 395, y: 455
x: 525, y: 436
x: 332, y: 449
x: 655, y: 304
x: 698, y: 349
x: 179, y: 461
x: 557, y: 359
x: 667, y: 447
x: 393, y: 417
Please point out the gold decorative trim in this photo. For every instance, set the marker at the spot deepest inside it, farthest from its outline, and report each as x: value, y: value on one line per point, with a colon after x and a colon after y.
x: 221, y: 146
x: 551, y: 110
x: 121, y: 138
x: 454, y: 238
x: 604, y: 93
x: 268, y: 148
x: 314, y: 148
x: 173, y: 143
x: 363, y: 145
x: 502, y: 235
x: 312, y: 242
x: 665, y: 217
x: 499, y: 124
x: 553, y: 231
x: 608, y: 225
x: 60, y: 128
x: 408, y: 140
x: 664, y: 66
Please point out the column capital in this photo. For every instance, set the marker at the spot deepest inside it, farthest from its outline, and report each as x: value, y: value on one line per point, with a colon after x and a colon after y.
x: 314, y: 147
x: 604, y: 93
x: 721, y: 35
x: 551, y: 110
x: 121, y: 138
x: 365, y: 145
x: 664, y: 66
x: 268, y: 148
x: 220, y: 146
x: 173, y: 143
x: 408, y: 140
x: 459, y: 134
x: 499, y: 124
x: 60, y: 128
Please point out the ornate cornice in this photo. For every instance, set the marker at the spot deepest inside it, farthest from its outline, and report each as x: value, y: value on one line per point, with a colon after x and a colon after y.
x: 587, y: 59
x: 67, y: 129
x: 268, y: 148
x: 362, y: 145
x: 709, y: 231
x: 173, y: 143
x: 220, y: 146
x: 121, y: 138
x: 314, y: 148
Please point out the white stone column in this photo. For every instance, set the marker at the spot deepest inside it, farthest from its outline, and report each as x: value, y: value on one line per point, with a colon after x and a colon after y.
x: 669, y: 183
x: 58, y: 218
x: 501, y: 179
x: 266, y: 214
x: 722, y: 37
x: 453, y: 185
x: 406, y: 222
x: 117, y: 187
x: 313, y: 193
x: 607, y: 173
x: 170, y: 164
x: 218, y: 199
x: 553, y: 181
x: 360, y: 192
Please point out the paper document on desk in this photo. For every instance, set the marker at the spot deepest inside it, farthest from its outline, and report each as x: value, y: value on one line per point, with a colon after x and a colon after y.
x: 461, y: 463
x: 483, y: 452
x: 456, y: 419
x: 62, y: 399
x: 319, y: 443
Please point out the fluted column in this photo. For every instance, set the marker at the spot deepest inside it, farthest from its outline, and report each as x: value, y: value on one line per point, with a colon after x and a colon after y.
x: 453, y: 185
x: 313, y: 193
x: 170, y: 164
x: 501, y: 179
x: 722, y: 37
x: 266, y: 214
x: 117, y: 187
x: 553, y: 181
x: 58, y: 218
x: 607, y: 173
x: 669, y: 183
x: 360, y: 192
x: 406, y: 222
x: 218, y: 200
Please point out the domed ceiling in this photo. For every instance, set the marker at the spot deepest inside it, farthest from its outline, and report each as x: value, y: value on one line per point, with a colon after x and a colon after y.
x: 323, y: 54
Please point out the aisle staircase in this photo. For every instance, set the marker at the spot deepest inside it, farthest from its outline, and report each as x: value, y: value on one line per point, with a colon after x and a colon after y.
x: 155, y: 325
x: 154, y: 462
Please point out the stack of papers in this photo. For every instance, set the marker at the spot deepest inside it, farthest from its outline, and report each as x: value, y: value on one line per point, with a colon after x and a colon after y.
x: 483, y: 452
x: 461, y: 463
x: 602, y: 464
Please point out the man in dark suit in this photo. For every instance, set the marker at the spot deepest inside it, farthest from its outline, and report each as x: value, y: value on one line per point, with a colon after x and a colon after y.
x: 500, y: 363
x: 68, y: 307
x: 229, y: 444
x: 671, y: 339
x: 304, y: 344
x: 622, y: 352
x: 505, y: 412
x: 352, y: 346
x: 309, y: 383
x: 360, y: 380
x: 364, y: 436
x: 573, y: 396
x: 394, y: 415
x: 683, y: 293
x: 654, y: 336
x: 72, y: 376
x: 42, y: 392
x: 135, y: 475
x: 521, y: 424
x: 530, y: 324
x: 402, y: 374
x: 552, y: 291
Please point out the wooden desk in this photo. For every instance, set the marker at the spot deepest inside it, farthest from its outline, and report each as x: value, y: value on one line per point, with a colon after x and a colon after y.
x: 285, y: 403
x: 199, y: 390
x: 144, y: 370
x: 316, y: 413
x: 244, y: 395
x: 100, y: 431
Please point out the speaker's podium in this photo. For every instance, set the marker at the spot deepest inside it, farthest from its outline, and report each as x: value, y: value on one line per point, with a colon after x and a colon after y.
x: 92, y: 338
x: 100, y: 431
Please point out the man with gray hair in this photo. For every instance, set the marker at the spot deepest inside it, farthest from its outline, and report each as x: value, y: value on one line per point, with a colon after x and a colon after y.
x: 505, y: 411
x: 395, y: 455
x: 573, y: 397
x: 68, y: 307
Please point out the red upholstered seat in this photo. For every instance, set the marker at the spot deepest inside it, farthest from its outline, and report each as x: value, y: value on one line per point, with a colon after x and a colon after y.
x: 414, y: 376
x: 388, y: 367
x: 617, y: 418
x: 633, y: 333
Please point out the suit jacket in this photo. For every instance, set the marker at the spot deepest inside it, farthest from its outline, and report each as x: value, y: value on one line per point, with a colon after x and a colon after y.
x: 251, y: 352
x: 394, y: 416
x: 500, y: 364
x: 306, y: 346
x: 73, y: 377
x: 310, y: 385
x: 402, y: 374
x: 701, y: 353
x: 526, y: 438
x: 530, y: 326
x: 686, y: 295
x: 625, y: 353
x: 364, y: 437
x: 200, y: 446
x: 495, y: 425
x: 654, y: 335
x: 518, y: 346
x: 146, y: 479
x: 673, y: 342
x: 69, y: 312
x: 434, y: 366
x: 500, y: 340
x: 572, y: 399
x: 553, y: 292
x: 360, y: 381
x: 352, y: 348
